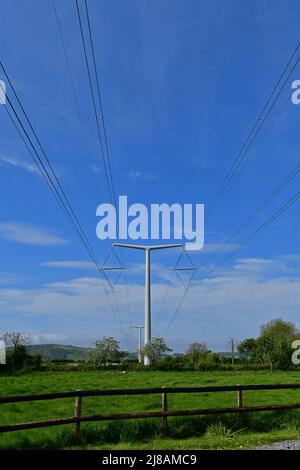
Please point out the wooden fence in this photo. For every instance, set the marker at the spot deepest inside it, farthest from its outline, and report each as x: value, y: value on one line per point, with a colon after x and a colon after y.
x: 165, y: 412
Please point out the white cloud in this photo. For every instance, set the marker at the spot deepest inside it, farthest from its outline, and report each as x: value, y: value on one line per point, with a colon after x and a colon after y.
x: 48, y: 338
x: 255, y: 261
x: 218, y: 247
x: 2, y: 92
x: 32, y: 168
x: 95, y: 168
x: 254, y: 264
x: 289, y: 258
x: 69, y: 264
x: 136, y: 174
x: 10, y: 278
x: 233, y: 303
x: 30, y: 234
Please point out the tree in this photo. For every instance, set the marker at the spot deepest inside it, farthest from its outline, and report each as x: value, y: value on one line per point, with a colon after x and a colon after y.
x: 107, y: 350
x: 274, y: 345
x: 247, y: 348
x: 279, y: 330
x: 155, y: 350
x: 16, y: 354
x: 15, y: 339
x: 196, y: 350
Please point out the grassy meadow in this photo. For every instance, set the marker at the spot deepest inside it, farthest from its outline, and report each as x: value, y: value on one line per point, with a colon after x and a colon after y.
x: 204, y: 432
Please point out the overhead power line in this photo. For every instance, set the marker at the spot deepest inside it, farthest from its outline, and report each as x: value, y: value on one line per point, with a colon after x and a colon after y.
x: 73, y: 88
x: 263, y: 226
x: 97, y: 102
x: 266, y: 202
x: 109, y: 166
x: 47, y: 171
x: 272, y: 99
x: 98, y: 115
x: 55, y: 187
x: 250, y: 238
x: 107, y: 151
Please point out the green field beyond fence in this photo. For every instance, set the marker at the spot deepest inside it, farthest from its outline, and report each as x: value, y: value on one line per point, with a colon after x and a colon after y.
x: 218, y: 431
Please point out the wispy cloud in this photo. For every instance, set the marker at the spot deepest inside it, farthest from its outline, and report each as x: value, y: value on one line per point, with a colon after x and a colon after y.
x: 12, y: 161
x: 137, y: 174
x: 210, y: 248
x: 10, y: 278
x: 254, y: 264
x: 30, y: 234
x: 95, y: 168
x: 69, y: 264
x: 232, y: 303
x: 74, y: 338
x: 2, y: 92
x: 47, y: 338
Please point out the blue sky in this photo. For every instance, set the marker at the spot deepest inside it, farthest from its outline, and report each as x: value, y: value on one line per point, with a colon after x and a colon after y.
x: 182, y: 82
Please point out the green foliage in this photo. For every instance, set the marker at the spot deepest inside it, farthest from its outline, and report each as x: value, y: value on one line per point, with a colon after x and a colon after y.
x: 155, y: 350
x: 279, y: 330
x: 195, y: 351
x: 273, y: 347
x: 222, y: 432
x: 247, y: 348
x: 17, y: 356
x: 175, y: 363
x: 274, y: 343
x: 106, y: 352
x: 208, y: 361
x: 33, y: 362
x: 17, y: 359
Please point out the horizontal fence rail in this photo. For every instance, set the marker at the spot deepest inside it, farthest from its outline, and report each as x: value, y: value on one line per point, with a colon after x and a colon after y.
x: 78, y: 418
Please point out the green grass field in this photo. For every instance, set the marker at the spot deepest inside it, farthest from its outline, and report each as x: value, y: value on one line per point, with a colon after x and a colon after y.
x: 210, y: 432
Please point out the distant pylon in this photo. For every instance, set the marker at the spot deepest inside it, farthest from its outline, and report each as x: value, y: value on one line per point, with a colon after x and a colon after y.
x: 140, y: 328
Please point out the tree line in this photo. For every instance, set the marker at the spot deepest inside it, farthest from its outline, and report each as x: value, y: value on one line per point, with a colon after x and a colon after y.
x: 273, y: 349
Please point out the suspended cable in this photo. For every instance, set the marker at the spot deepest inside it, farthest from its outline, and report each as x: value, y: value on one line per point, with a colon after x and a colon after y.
x: 100, y: 119
x: 97, y: 116
x: 267, y: 201
x: 52, y: 179
x: 251, y: 237
x: 254, y: 131
x: 69, y: 70
x: 100, y: 105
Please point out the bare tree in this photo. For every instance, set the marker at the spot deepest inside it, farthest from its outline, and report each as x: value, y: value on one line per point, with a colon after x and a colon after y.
x: 15, y: 339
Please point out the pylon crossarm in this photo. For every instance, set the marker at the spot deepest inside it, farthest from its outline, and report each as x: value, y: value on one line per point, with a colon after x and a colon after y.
x: 113, y: 269
x: 185, y: 269
x: 119, y: 268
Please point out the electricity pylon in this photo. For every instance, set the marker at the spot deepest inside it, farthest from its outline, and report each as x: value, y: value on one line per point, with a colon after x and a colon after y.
x: 140, y: 328
x: 147, y: 249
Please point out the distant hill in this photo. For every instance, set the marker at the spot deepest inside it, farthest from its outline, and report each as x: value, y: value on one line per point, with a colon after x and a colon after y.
x: 63, y: 352
x: 59, y: 352
x: 228, y: 354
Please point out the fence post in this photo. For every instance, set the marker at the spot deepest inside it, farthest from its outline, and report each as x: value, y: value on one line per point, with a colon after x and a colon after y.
x: 164, y: 406
x: 77, y: 413
x: 240, y: 404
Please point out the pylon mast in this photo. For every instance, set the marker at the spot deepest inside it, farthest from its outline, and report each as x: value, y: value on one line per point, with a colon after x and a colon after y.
x: 147, y: 249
